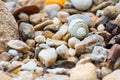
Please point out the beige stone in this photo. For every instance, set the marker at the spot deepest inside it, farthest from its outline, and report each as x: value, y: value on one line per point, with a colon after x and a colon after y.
x: 8, y: 27
x: 4, y: 76
x: 19, y: 45
x: 84, y: 72
x: 115, y: 75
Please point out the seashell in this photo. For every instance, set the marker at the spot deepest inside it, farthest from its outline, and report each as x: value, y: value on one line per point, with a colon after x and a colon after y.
x: 78, y: 28
x: 84, y: 17
x: 81, y: 5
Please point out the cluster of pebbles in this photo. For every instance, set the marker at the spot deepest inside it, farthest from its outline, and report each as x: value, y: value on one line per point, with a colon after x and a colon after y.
x: 79, y: 41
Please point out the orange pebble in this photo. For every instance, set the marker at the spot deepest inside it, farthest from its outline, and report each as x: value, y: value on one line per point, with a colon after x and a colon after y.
x: 60, y: 2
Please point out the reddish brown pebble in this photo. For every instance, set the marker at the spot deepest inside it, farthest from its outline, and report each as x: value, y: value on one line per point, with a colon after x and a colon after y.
x: 27, y: 9
x: 114, y: 53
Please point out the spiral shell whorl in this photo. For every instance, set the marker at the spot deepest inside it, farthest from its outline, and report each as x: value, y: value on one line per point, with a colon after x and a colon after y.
x: 78, y: 28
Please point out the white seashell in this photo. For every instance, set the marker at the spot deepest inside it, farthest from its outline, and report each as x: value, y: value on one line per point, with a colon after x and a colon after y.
x: 81, y: 4
x: 74, y: 28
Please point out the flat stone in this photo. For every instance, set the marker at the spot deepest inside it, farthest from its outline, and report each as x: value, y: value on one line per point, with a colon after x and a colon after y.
x: 84, y: 72
x: 115, y: 75
x: 8, y: 27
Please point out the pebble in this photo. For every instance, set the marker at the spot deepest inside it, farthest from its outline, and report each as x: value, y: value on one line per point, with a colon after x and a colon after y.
x: 99, y: 54
x: 26, y: 30
x: 101, y: 28
x: 68, y: 5
x: 31, y: 65
x: 73, y: 59
x: 115, y: 75
x: 44, y: 46
x: 57, y: 22
x: 88, y: 43
x: 62, y: 15
x: 105, y: 71
x: 4, y: 56
x: 84, y: 61
x: 48, y: 56
x: 23, y: 17
x: 30, y: 42
x: 52, y: 28
x: 54, y: 77
x: 48, y: 34
x: 52, y: 10
x: 36, y: 18
x: 19, y: 45
x: 52, y: 42
x: 42, y: 25
x: 57, y: 71
x: 60, y: 34
x: 13, y: 52
x: 24, y: 75
x: 85, y: 5
x: 4, y: 76
x: 40, y: 39
x: 72, y: 41
x: 84, y: 72
x: 62, y: 51
x: 71, y: 52
x: 8, y: 28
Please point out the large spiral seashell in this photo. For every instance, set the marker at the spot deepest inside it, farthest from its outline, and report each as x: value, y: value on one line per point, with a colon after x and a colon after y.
x: 78, y: 28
